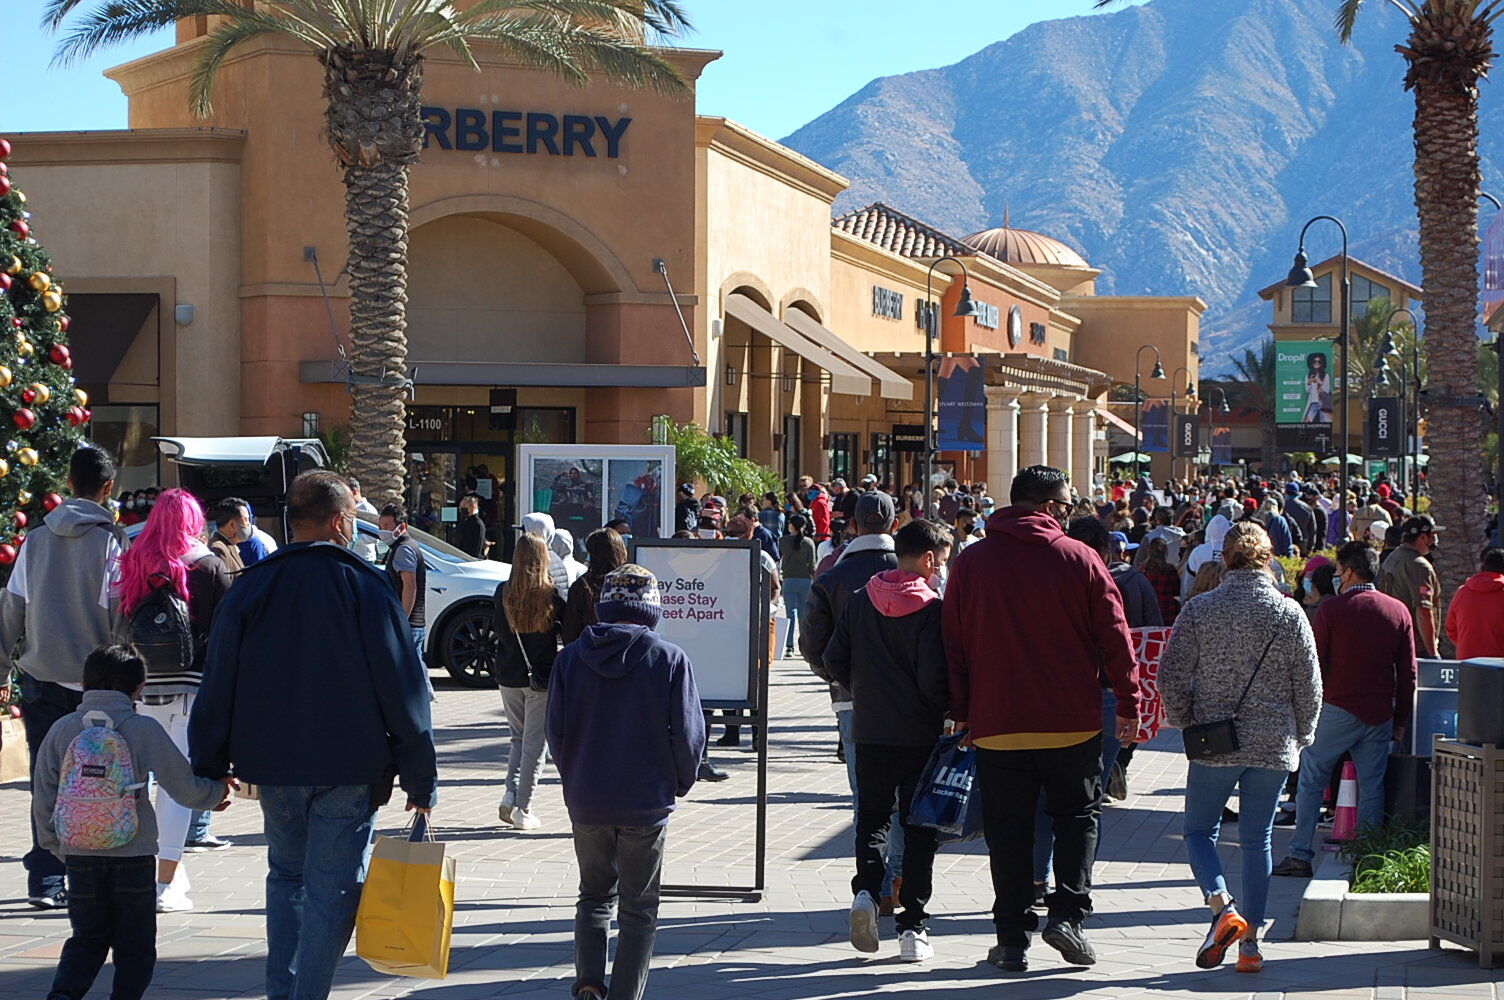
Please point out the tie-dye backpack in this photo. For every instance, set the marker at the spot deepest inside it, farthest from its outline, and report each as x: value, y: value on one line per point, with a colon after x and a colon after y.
x: 96, y: 794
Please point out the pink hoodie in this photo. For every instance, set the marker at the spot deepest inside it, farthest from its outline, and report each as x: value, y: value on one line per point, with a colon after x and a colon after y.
x: 898, y: 592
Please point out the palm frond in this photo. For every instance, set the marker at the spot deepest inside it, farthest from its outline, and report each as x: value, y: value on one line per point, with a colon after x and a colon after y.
x: 114, y: 22
x: 56, y: 11
x: 1348, y: 11
x: 533, y: 41
x: 222, y: 40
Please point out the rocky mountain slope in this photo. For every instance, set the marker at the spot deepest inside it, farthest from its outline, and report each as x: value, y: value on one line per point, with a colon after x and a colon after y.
x: 1179, y: 145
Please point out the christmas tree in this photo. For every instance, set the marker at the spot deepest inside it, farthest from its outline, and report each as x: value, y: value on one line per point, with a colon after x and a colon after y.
x: 39, y: 404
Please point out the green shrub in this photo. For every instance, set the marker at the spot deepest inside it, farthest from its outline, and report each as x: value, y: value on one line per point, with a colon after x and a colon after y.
x: 1392, y: 857
x: 703, y: 457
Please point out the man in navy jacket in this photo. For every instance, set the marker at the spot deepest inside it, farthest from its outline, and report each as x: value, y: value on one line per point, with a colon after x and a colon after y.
x: 626, y: 731
x: 313, y: 691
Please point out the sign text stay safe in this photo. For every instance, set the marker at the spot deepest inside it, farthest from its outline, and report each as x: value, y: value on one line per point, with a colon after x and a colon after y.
x: 530, y: 132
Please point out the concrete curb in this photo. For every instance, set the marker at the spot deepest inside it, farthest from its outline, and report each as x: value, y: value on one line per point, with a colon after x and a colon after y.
x: 1329, y: 912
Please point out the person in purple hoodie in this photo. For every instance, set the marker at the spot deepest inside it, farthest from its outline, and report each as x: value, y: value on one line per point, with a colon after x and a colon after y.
x: 626, y: 732
x: 888, y: 651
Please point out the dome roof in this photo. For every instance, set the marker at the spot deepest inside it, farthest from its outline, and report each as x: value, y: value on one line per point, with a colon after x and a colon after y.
x: 1022, y: 247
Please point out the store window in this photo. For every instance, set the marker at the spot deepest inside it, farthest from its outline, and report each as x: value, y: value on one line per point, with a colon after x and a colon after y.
x: 1312, y: 305
x: 736, y: 430
x: 792, y: 458
x: 881, y: 463
x: 126, y: 432
x: 1364, y: 292
x: 843, y: 448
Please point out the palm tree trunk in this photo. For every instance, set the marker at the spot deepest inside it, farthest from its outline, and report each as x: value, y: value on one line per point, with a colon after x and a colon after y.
x: 1446, y: 195
x: 375, y: 126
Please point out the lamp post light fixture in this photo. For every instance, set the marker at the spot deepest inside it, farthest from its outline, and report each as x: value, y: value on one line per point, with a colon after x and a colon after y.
x: 1221, y: 408
x: 1408, y: 380
x: 1190, y: 393
x: 1301, y: 277
x: 1498, y: 409
x: 964, y: 307
x: 1138, y: 404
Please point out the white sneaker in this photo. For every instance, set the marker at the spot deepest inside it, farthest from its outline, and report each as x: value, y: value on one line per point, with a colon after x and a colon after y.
x: 864, y: 923
x: 523, y: 819
x: 914, y: 946
x: 172, y: 899
x: 505, y: 810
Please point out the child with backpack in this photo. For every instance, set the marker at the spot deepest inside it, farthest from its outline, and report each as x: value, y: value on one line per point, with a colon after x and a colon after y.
x: 888, y: 652
x: 90, y: 809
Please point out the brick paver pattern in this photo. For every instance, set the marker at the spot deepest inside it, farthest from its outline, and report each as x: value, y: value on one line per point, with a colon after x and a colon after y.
x: 512, y: 933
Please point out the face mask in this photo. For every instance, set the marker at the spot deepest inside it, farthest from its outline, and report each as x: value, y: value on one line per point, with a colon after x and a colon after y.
x: 707, y: 533
x: 386, y: 535
x: 348, y: 540
x: 129, y: 505
x: 243, y: 533
x: 812, y: 494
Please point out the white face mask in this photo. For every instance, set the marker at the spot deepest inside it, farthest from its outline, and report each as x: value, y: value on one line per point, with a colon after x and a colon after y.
x: 386, y: 535
x: 707, y: 532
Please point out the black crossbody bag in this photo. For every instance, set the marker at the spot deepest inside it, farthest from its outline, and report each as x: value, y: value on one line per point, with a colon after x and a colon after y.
x: 1216, y: 739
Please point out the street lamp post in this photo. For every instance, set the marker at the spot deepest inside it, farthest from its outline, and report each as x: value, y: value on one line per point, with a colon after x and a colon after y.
x: 1301, y: 277
x: 1190, y: 393
x: 1223, y: 409
x: 1389, y: 349
x: 963, y: 308
x: 1138, y: 404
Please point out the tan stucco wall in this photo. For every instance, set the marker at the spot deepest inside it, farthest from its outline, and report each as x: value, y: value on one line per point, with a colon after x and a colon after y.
x: 145, y: 216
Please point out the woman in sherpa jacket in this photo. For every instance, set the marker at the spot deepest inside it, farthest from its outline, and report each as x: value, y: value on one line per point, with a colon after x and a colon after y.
x: 1244, y: 629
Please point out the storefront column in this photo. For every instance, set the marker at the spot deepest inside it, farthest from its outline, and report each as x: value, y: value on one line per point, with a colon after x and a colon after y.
x: 1002, y: 442
x: 1061, y: 436
x: 1033, y: 429
x: 1084, y: 452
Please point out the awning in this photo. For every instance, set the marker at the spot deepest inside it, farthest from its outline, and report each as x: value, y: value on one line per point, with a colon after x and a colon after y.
x: 1114, y: 419
x: 524, y: 374
x: 891, y: 385
x: 844, y: 377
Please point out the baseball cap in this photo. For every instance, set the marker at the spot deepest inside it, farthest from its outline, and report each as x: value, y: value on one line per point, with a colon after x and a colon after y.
x: 1121, y: 541
x: 874, y: 511
x: 1418, y: 525
x: 869, y: 478
x: 838, y: 481
x: 687, y: 488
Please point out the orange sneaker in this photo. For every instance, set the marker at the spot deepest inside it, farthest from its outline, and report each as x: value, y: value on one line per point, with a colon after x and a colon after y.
x: 1227, y: 928
x: 1249, y: 957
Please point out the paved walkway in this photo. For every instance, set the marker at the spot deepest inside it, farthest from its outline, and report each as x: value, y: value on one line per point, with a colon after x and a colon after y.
x: 513, y: 922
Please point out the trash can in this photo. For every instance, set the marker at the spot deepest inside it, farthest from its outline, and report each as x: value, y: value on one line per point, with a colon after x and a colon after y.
x: 1467, y: 848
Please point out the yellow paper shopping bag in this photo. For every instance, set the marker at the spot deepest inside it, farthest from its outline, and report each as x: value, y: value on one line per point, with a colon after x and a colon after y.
x: 15, y: 764
x: 406, y: 910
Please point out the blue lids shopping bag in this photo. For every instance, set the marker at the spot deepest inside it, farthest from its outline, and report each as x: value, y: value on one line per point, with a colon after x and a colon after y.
x: 943, y: 797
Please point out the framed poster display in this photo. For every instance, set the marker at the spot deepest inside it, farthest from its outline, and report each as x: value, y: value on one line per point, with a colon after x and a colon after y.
x: 584, y: 486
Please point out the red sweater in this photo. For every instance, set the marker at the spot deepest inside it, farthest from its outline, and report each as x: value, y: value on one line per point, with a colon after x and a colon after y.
x: 819, y: 511
x: 1031, y: 620
x: 1475, y: 618
x: 1366, y: 643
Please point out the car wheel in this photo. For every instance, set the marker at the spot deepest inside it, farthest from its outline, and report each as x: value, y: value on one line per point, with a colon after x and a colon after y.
x: 467, y: 647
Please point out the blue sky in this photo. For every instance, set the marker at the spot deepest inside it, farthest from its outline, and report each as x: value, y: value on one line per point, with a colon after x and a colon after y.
x: 786, y: 60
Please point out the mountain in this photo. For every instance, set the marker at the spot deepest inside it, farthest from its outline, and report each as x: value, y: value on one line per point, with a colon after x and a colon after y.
x: 1179, y: 145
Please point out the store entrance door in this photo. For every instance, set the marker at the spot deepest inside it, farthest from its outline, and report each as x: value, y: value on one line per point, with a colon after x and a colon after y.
x: 440, y: 474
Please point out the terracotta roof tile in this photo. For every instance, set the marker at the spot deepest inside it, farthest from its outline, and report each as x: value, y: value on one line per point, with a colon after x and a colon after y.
x: 899, y: 233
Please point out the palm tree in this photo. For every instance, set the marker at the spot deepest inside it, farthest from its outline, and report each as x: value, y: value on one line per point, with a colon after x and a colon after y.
x: 372, y: 53
x: 1257, y: 369
x: 1449, y: 51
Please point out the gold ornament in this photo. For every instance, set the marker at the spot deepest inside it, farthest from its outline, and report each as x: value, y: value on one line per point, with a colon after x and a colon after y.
x: 20, y: 196
x: 78, y: 394
x: 23, y: 498
x: 39, y: 281
x: 4, y: 468
x: 52, y: 300
x: 27, y: 456
x: 13, y: 268
x: 42, y: 392
x: 5, y: 376
x: 25, y: 349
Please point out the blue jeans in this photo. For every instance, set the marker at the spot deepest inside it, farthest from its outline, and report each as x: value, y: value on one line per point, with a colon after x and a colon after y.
x: 112, y: 908
x: 1044, y: 827
x: 198, y: 826
x: 43, y: 704
x: 1207, y: 790
x: 1339, y: 732
x: 620, y: 870
x: 316, y: 839
x: 895, y: 837
x: 795, y: 593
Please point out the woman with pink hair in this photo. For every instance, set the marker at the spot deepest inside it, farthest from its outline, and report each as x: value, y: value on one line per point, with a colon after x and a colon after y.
x: 168, y: 569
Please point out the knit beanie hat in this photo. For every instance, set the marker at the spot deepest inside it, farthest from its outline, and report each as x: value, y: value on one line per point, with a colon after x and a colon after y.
x: 629, y: 594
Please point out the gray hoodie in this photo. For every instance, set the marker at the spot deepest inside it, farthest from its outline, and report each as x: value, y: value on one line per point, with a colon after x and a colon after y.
x: 542, y: 525
x: 60, y: 601
x: 151, y: 750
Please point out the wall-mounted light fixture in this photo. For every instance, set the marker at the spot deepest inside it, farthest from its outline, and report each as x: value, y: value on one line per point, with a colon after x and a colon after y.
x: 730, y: 375
x: 310, y: 424
x: 184, y: 312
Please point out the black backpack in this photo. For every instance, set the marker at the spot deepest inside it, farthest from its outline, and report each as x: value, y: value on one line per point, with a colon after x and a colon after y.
x: 161, y: 629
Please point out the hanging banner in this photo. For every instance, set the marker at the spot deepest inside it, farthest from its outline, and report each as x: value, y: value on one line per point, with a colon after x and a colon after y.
x: 1303, y: 382
x: 1386, y: 428
x: 1187, y: 435
x: 962, y: 405
x: 1221, y: 445
x: 1156, y: 418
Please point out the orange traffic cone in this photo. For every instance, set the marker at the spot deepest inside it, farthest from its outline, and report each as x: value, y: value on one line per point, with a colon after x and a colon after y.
x: 1345, y: 825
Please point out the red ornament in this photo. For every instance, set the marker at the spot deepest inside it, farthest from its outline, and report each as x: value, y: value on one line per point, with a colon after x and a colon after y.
x: 75, y: 414
x: 60, y: 356
x: 4, y: 282
x: 21, y: 519
x: 24, y: 418
x: 52, y: 501
x: 62, y: 323
x: 7, y: 551
x: 16, y: 322
x: 4, y: 169
x: 28, y: 396
x: 20, y: 228
x: 88, y: 414
x: 4, y: 185
x: 4, y: 149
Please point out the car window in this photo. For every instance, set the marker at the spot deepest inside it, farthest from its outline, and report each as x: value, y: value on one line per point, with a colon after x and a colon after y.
x: 431, y: 546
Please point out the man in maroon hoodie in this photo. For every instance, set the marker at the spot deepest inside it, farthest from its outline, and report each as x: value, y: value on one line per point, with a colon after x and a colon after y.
x: 1031, y: 620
